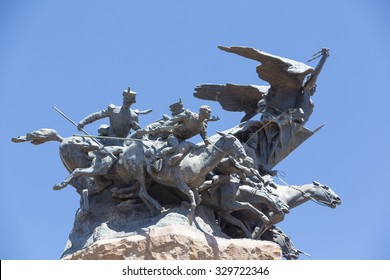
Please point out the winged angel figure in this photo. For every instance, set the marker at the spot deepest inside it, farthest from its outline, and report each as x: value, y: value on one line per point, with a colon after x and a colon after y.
x: 292, y: 83
x: 285, y: 105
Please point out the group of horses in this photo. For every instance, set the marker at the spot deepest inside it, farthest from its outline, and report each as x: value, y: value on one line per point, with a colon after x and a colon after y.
x: 252, y: 209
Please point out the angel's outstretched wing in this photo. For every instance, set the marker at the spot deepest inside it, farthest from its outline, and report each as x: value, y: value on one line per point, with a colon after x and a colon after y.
x: 236, y: 98
x: 288, y: 90
x: 278, y: 71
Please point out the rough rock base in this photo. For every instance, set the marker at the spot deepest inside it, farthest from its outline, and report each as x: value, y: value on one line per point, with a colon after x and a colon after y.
x: 176, y: 243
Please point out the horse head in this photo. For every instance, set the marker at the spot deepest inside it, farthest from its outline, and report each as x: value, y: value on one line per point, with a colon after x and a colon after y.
x: 325, y: 195
x: 230, y: 144
x: 39, y: 136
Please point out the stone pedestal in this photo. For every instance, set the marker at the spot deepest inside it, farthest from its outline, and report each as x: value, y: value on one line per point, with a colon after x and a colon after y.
x: 127, y: 230
x: 178, y: 243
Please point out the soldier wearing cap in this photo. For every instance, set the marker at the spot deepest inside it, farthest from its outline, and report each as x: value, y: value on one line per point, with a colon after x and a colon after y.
x: 177, y: 108
x: 188, y: 124
x: 122, y: 118
x: 153, y: 129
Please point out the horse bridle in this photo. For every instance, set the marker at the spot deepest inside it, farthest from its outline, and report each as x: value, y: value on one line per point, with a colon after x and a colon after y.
x: 327, y: 196
x: 319, y: 202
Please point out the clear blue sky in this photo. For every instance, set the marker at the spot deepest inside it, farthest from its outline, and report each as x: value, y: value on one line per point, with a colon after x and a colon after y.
x: 80, y: 55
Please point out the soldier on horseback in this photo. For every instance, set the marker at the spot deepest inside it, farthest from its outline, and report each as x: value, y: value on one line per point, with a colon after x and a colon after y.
x: 122, y: 118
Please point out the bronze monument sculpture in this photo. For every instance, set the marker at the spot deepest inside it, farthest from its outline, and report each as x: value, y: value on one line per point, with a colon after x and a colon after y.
x: 132, y: 181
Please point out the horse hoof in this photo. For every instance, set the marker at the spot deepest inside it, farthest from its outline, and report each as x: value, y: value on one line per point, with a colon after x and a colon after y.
x: 258, y: 232
x: 190, y: 218
x: 57, y: 187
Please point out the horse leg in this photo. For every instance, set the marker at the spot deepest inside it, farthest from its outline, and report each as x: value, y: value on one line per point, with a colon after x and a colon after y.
x: 84, y: 201
x: 185, y: 189
x: 251, y: 195
x: 234, y: 221
x: 275, y: 217
x: 76, y: 173
x: 233, y: 205
x: 125, y: 192
x: 237, y: 205
x: 92, y: 171
x: 154, y: 206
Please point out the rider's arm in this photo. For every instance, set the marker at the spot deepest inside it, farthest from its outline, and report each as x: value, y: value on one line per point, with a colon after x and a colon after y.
x: 135, y: 125
x: 309, y: 85
x: 173, y: 121
x: 144, y: 112
x: 213, y: 119
x: 203, y: 134
x: 134, y: 122
x: 94, y: 116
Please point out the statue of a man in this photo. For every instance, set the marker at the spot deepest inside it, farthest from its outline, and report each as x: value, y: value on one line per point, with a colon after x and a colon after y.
x: 188, y: 124
x: 177, y: 108
x: 183, y: 125
x: 122, y: 118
